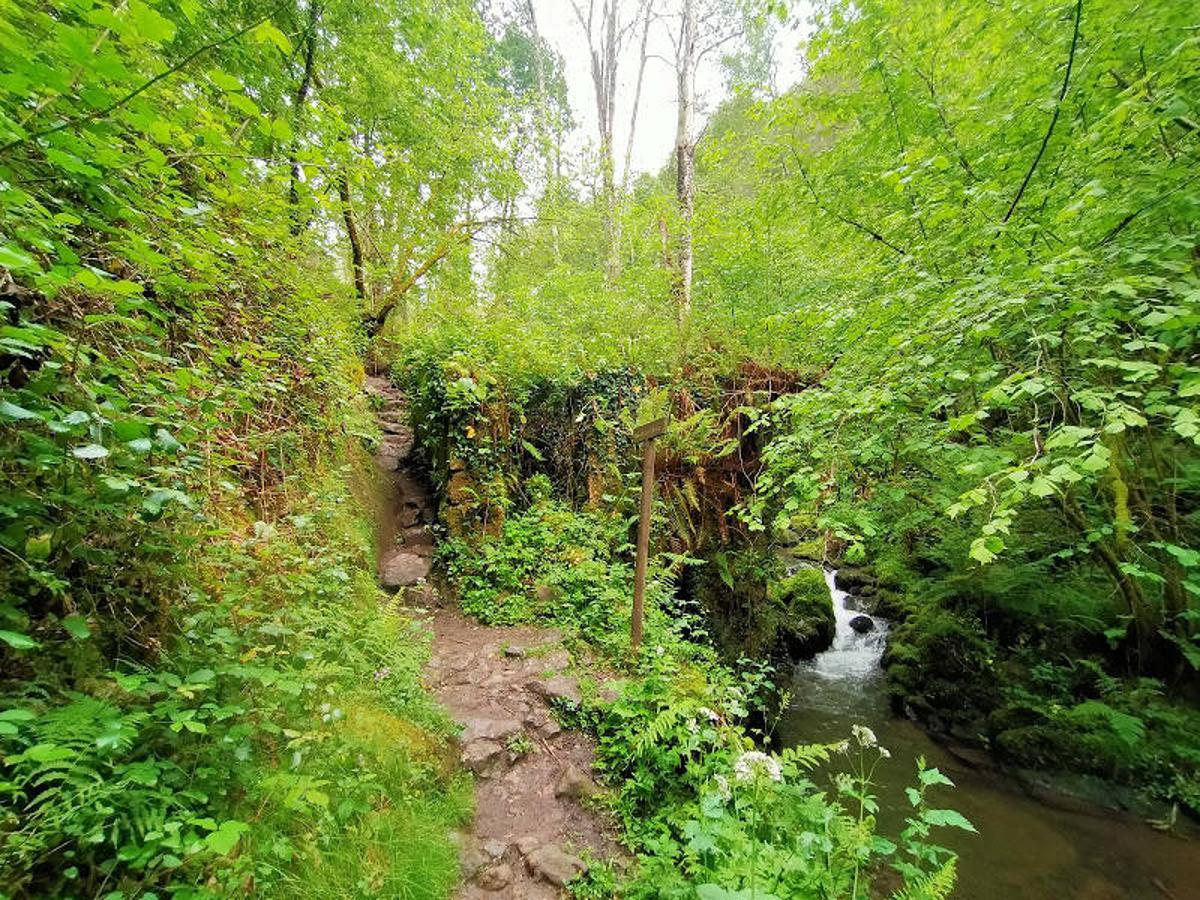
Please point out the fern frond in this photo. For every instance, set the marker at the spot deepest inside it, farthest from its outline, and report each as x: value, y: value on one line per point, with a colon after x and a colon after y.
x: 807, y: 756
x: 934, y: 886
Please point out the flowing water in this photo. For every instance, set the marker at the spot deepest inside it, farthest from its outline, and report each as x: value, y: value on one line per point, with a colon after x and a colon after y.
x: 1025, y: 850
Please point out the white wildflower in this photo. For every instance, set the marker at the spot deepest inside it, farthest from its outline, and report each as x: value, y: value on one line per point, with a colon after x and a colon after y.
x: 723, y: 786
x: 709, y: 714
x: 841, y: 747
x: 693, y: 726
x: 885, y: 753
x: 754, y: 763
x: 864, y: 735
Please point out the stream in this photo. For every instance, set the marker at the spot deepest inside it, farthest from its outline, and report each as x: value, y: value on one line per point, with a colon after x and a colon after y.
x: 1025, y: 850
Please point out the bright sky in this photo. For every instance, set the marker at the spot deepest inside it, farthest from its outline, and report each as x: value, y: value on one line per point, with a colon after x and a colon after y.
x: 655, y: 136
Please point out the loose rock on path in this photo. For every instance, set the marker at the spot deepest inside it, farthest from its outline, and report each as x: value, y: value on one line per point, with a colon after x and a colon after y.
x: 532, y: 831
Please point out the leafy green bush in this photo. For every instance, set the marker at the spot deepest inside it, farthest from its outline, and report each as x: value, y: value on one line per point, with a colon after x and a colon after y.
x: 283, y: 731
x: 555, y: 565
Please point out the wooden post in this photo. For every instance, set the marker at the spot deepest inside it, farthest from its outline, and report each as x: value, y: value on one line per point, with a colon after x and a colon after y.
x: 644, y: 434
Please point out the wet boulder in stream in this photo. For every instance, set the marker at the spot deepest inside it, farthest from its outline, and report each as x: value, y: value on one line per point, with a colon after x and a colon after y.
x: 853, y: 580
x: 862, y: 624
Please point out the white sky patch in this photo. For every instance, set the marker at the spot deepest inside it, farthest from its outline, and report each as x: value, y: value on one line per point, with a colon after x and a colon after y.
x: 654, y: 139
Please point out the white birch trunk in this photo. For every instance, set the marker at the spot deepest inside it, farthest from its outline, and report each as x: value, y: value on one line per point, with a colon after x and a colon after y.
x: 685, y: 156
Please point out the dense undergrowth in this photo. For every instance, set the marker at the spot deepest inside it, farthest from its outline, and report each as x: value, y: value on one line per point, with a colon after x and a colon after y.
x: 279, y: 742
x: 705, y: 809
x: 943, y: 328
x: 203, y: 695
x: 964, y: 244
x: 200, y: 694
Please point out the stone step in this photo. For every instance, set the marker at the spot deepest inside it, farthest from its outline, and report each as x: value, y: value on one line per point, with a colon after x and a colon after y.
x: 418, y: 540
x: 402, y: 569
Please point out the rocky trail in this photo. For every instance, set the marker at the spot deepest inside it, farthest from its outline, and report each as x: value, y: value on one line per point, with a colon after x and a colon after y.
x: 533, y: 830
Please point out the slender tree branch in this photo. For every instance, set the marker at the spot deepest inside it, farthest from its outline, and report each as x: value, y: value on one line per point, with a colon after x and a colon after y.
x: 1128, y: 218
x: 853, y: 223
x: 1054, y: 118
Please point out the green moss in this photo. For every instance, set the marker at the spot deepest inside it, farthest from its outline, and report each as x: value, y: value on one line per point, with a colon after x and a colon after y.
x: 803, y: 612
x: 941, y: 665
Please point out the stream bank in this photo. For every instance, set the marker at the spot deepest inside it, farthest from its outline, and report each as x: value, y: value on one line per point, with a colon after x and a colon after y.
x: 1059, y: 849
x: 532, y: 831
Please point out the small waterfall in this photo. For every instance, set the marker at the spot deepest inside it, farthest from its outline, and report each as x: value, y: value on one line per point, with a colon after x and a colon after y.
x: 844, y: 685
x: 1027, y: 850
x: 853, y: 656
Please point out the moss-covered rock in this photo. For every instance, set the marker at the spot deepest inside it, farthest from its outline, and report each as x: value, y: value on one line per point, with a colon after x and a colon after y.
x: 940, y: 668
x: 752, y: 610
x: 802, y: 613
x: 854, y: 579
x: 872, y: 594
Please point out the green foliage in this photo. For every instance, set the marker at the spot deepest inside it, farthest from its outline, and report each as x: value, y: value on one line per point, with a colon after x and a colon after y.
x: 1024, y: 367
x: 503, y: 414
x: 286, y: 723
x: 972, y: 230
x: 707, y: 811
x: 202, y: 696
x: 552, y: 564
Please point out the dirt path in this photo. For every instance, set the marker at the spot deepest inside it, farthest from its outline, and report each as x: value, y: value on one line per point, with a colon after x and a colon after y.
x: 532, y: 830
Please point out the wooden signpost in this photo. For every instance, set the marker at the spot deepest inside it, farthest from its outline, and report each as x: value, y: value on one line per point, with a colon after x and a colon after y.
x: 644, y: 434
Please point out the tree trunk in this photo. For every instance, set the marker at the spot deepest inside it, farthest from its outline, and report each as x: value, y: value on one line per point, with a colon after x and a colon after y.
x: 1107, y: 553
x: 608, y: 174
x: 685, y: 157
x: 356, y: 251
x: 622, y: 197
x: 547, y: 147
x: 637, y: 96
x: 401, y: 284
x: 604, y: 53
x: 310, y: 52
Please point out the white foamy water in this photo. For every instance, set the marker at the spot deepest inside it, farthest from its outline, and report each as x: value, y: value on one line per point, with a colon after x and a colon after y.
x: 853, y: 656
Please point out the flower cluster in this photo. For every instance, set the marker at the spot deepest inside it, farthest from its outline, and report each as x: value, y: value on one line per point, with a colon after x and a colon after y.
x: 753, y: 763
x: 864, y: 735
x: 866, y: 739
